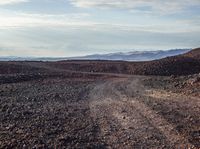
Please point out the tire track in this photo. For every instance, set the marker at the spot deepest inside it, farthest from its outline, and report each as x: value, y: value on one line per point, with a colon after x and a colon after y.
x: 127, y: 123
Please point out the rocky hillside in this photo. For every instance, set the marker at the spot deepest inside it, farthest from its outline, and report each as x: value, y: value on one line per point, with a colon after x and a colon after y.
x: 185, y: 64
x: 179, y: 65
x: 193, y: 54
x: 134, y: 56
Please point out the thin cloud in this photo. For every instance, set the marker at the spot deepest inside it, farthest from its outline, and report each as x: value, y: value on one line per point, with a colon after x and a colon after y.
x: 166, y: 6
x: 83, y: 21
x: 28, y: 30
x: 16, y: 20
x: 9, y: 2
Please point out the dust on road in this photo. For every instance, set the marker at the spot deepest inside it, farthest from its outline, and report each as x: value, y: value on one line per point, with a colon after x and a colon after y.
x: 116, y: 112
x: 125, y: 118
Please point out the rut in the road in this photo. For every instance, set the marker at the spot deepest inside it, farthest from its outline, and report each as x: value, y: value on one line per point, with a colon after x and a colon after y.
x: 125, y: 122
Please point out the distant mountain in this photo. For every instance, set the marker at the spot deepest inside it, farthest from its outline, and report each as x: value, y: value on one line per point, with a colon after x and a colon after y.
x: 182, y: 64
x: 135, y: 56
x: 129, y: 56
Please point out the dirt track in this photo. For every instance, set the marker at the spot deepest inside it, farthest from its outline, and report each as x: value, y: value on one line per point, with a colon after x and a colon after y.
x: 125, y: 117
x: 113, y: 112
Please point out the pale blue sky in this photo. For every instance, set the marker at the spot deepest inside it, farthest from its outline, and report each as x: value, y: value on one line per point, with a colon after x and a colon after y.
x: 81, y: 27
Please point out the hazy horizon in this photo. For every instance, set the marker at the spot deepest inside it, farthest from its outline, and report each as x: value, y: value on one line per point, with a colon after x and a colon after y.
x: 67, y: 28
x: 92, y: 54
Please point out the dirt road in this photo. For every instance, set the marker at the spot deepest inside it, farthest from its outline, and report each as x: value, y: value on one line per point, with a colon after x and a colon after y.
x: 109, y: 112
x: 130, y: 115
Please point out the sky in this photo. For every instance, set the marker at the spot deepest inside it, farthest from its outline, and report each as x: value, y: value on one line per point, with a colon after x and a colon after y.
x: 65, y: 28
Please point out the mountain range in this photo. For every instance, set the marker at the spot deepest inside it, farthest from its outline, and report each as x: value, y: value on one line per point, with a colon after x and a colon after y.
x: 128, y: 56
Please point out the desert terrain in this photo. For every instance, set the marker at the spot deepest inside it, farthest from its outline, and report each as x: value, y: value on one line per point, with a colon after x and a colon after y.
x: 101, y: 104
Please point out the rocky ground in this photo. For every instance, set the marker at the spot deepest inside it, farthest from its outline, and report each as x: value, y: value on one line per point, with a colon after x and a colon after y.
x: 45, y: 114
x: 188, y: 85
x: 118, y: 112
x: 46, y: 107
